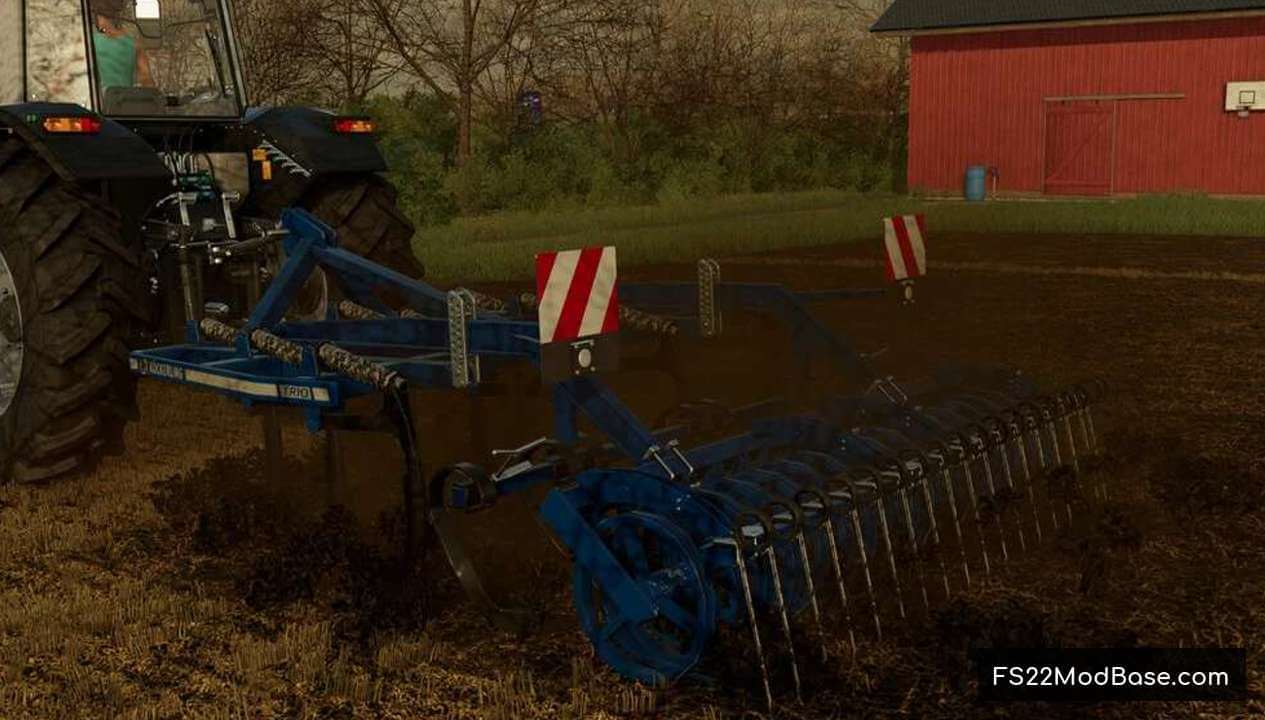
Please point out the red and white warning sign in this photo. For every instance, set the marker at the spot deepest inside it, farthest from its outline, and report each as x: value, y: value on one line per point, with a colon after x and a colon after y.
x: 577, y: 294
x: 906, y: 252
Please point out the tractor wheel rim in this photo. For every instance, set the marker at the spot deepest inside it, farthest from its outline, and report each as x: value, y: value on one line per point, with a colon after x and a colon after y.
x: 11, y: 348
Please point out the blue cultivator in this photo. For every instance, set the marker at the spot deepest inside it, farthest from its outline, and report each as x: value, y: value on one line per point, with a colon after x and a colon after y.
x: 860, y: 503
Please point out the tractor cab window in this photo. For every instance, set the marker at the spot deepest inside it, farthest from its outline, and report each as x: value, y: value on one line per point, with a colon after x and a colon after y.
x: 157, y: 58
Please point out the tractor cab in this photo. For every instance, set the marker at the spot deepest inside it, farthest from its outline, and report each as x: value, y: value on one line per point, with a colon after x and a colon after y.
x: 125, y: 59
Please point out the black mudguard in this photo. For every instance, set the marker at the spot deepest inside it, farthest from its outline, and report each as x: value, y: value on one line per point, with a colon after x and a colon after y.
x: 306, y: 137
x: 115, y: 153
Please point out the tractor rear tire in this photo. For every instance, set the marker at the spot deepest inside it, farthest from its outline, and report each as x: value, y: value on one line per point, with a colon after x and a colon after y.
x: 80, y: 294
x: 363, y: 210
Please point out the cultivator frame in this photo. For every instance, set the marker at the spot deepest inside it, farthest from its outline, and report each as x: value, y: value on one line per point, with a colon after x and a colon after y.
x: 883, y: 493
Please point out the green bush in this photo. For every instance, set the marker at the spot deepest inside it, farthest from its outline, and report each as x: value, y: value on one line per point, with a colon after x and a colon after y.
x: 640, y: 160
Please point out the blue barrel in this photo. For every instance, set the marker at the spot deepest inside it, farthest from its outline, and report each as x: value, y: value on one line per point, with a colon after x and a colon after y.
x: 977, y: 183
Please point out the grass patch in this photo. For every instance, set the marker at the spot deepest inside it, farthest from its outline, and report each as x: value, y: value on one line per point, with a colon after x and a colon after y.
x: 501, y: 247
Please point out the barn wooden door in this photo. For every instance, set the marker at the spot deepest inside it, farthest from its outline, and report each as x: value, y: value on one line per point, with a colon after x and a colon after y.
x: 1079, y: 147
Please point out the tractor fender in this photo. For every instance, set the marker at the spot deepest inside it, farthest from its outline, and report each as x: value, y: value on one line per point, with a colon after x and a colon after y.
x: 115, y: 153
x: 301, y: 141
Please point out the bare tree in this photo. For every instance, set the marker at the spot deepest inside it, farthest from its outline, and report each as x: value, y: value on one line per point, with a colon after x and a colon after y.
x: 272, y: 40
x: 886, y: 71
x: 349, y: 50
x: 449, y: 44
x: 327, y: 51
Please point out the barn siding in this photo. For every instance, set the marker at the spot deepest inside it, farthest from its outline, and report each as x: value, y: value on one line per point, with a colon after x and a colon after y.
x: 980, y: 99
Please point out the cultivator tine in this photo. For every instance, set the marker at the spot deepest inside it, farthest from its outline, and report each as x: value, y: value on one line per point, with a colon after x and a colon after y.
x: 1081, y: 404
x: 835, y: 559
x: 965, y: 450
x: 1033, y: 421
x: 1066, y: 414
x: 891, y: 555
x: 980, y: 453
x: 1048, y: 421
x: 912, y: 535
x: 924, y: 477
x: 998, y: 441
x: 776, y: 574
x: 1003, y: 449
x: 1072, y: 405
x: 1015, y: 425
x: 1089, y: 421
x: 865, y: 567
x: 812, y: 592
x: 744, y: 578
x: 1083, y: 397
x: 947, y: 477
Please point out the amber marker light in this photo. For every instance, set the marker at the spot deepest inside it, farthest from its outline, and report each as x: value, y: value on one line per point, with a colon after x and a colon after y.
x: 81, y: 125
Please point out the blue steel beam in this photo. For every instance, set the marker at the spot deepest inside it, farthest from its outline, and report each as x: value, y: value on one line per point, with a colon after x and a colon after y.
x: 776, y: 300
x: 609, y: 414
x: 484, y: 337
x: 418, y: 295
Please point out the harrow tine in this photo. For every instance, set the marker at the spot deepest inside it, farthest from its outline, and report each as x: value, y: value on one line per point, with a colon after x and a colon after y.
x: 953, y: 508
x: 1066, y: 413
x: 981, y: 454
x: 1034, y: 426
x: 1016, y: 431
x: 812, y: 591
x: 1077, y: 402
x: 1080, y: 405
x: 744, y: 579
x: 1008, y: 473
x: 1048, y: 421
x: 786, y: 618
x: 862, y: 553
x: 1085, y: 400
x: 965, y: 465
x: 891, y: 554
x: 833, y: 544
x: 924, y: 477
x: 1080, y: 402
x: 1089, y: 421
x: 913, y: 537
x: 865, y: 566
x: 999, y: 444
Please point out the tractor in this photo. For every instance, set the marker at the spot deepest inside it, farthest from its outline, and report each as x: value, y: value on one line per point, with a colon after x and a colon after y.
x: 141, y: 192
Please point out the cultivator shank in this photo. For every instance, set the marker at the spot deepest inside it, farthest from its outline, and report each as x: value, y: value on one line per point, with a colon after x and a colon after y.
x: 876, y: 505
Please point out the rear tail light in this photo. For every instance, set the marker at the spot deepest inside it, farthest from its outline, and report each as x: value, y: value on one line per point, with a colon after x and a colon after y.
x: 354, y: 126
x: 79, y: 125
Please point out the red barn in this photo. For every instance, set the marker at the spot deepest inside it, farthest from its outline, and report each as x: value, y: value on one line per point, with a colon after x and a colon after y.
x: 1086, y: 97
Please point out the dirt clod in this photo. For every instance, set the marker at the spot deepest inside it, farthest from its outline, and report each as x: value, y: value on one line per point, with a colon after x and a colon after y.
x: 1197, y: 484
